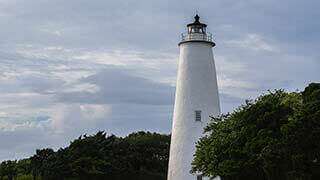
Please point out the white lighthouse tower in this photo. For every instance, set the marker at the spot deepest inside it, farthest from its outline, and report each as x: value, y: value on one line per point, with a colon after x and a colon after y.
x: 196, y: 98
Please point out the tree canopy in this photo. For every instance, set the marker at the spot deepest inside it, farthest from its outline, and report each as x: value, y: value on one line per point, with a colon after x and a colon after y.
x: 274, y: 137
x: 139, y: 156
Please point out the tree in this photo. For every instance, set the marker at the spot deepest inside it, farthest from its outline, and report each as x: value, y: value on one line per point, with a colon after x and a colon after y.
x: 273, y: 137
x: 8, y: 169
x: 39, y: 162
x: 87, y: 156
x: 149, y: 152
x: 2, y: 171
x: 139, y: 156
x: 23, y: 166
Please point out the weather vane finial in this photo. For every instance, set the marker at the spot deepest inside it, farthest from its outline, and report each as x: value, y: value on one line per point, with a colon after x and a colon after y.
x: 196, y: 18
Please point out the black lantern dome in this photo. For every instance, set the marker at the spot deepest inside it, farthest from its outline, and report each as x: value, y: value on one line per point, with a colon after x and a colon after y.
x: 197, y: 26
x: 197, y: 32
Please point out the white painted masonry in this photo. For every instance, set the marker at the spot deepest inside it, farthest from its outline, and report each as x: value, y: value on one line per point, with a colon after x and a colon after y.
x: 196, y: 90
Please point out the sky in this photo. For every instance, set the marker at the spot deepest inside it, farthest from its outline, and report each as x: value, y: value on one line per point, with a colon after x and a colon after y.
x: 76, y: 67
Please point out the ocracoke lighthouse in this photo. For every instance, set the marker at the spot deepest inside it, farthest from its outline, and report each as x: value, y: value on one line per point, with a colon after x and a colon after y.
x: 196, y: 99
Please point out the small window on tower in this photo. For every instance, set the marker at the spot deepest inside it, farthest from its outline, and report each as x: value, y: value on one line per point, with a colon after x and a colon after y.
x: 199, y: 177
x: 198, y: 115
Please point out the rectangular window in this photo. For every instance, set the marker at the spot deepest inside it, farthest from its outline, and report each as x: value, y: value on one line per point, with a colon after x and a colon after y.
x: 199, y: 177
x: 198, y: 115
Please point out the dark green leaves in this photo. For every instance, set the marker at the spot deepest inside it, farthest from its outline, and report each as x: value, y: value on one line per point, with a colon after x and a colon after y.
x: 274, y: 137
x: 140, y: 156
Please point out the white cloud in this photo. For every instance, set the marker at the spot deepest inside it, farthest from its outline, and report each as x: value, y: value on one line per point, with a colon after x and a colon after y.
x: 81, y: 87
x: 253, y: 42
x: 82, y: 116
x: 52, y: 32
x: 94, y: 111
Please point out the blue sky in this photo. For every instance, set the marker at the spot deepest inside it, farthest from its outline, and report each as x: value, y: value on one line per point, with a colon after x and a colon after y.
x: 77, y: 66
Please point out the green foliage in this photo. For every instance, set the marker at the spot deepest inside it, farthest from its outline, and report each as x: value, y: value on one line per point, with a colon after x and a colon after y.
x: 273, y: 137
x: 140, y: 156
x: 23, y: 166
x: 26, y: 177
x: 40, y: 162
x: 8, y: 169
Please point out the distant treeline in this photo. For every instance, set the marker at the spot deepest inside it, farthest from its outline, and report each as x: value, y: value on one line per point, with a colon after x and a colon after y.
x: 139, y: 156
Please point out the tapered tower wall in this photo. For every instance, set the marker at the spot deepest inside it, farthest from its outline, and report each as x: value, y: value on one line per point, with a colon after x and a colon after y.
x: 196, y: 90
